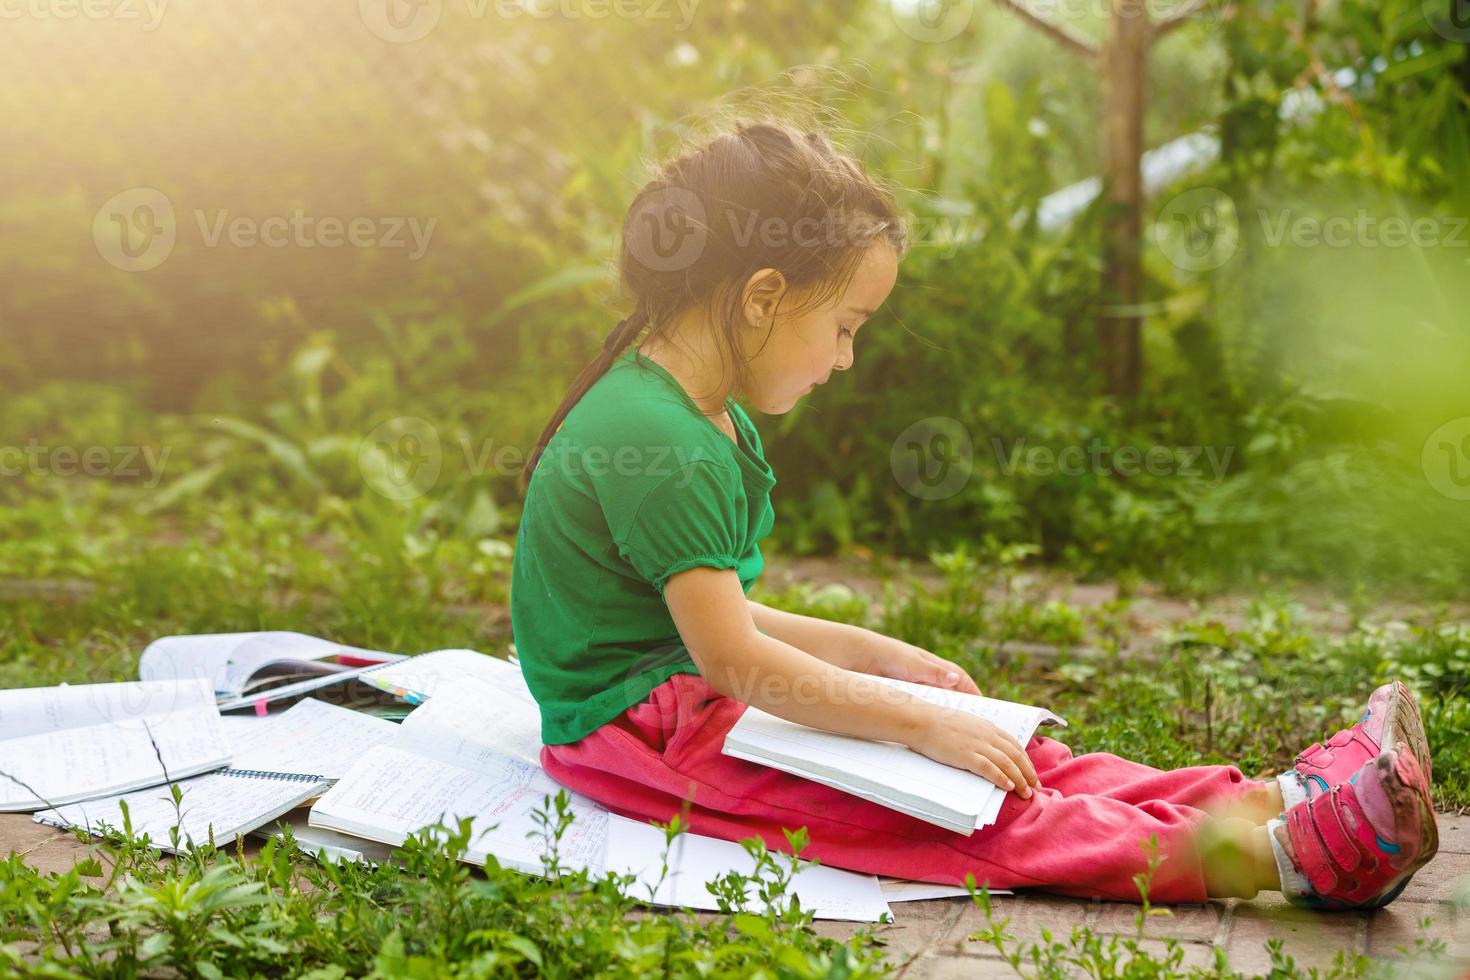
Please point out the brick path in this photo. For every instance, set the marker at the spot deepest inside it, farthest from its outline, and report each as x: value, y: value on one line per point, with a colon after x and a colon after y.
x: 930, y: 939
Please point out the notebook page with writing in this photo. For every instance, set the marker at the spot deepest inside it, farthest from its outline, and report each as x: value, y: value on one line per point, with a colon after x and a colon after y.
x: 393, y: 793
x: 37, y: 710
x: 310, y: 736
x: 477, y: 718
x: 84, y: 741
x: 221, y: 804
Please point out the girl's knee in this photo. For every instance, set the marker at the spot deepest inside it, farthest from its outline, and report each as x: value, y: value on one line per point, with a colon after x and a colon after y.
x: 1046, y: 753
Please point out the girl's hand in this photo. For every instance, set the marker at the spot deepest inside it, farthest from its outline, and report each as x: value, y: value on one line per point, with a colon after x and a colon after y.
x: 964, y: 741
x: 902, y: 661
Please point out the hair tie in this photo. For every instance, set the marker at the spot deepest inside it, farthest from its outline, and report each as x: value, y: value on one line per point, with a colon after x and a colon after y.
x: 615, y: 337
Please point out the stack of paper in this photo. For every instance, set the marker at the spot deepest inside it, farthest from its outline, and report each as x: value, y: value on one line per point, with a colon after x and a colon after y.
x: 888, y: 773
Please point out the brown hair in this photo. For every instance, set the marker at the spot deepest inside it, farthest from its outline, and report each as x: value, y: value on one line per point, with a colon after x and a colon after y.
x: 715, y: 206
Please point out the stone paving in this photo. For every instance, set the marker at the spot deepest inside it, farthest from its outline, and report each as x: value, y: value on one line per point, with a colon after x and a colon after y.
x: 930, y: 940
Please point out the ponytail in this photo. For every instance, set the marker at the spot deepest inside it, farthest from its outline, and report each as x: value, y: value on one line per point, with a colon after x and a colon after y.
x: 617, y: 341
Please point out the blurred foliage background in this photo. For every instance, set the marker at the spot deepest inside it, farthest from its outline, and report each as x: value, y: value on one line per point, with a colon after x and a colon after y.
x: 1307, y: 389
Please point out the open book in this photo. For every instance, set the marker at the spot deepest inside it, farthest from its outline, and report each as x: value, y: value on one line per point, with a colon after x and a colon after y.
x: 74, y: 742
x: 887, y: 773
x: 214, y: 807
x: 270, y: 664
x: 447, y: 762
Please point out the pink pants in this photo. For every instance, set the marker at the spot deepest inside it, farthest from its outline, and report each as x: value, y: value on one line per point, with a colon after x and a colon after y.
x: 1080, y: 834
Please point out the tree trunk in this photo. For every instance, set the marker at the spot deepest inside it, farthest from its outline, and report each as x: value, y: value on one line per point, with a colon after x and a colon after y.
x: 1122, y: 67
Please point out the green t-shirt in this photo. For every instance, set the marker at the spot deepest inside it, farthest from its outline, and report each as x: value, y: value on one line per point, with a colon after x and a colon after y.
x: 635, y: 486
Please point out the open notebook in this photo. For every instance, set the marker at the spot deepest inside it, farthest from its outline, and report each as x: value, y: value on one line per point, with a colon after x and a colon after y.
x: 214, y: 807
x: 73, y: 742
x: 888, y: 773
x: 310, y: 736
x: 446, y: 763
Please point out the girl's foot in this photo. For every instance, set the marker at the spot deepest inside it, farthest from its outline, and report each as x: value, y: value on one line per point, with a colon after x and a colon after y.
x: 1391, y: 721
x: 1358, y: 844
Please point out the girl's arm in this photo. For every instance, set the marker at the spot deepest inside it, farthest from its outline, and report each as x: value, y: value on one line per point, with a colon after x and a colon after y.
x: 735, y: 659
x: 858, y: 649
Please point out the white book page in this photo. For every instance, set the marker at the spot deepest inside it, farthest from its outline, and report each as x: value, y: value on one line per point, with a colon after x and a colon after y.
x: 218, y: 803
x: 902, y: 890
x: 228, y: 660
x: 36, y: 710
x: 391, y: 793
x: 70, y: 764
x: 309, y: 737
x: 475, y: 719
x: 695, y: 860
x: 420, y: 678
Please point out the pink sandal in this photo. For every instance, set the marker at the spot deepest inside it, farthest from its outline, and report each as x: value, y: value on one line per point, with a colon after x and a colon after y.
x: 1358, y: 844
x: 1391, y: 721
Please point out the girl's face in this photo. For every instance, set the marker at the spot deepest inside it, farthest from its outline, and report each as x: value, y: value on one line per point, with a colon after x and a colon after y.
x: 801, y: 351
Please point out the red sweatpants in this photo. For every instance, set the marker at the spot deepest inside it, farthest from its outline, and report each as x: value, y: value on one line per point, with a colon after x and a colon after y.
x: 1079, y: 835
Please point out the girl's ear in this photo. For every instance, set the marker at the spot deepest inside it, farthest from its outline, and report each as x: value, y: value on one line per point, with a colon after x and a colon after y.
x: 762, y: 295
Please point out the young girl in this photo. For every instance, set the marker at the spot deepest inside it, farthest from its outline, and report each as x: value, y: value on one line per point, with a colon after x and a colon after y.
x: 753, y: 262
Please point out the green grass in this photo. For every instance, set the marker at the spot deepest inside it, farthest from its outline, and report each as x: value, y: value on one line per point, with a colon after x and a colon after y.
x: 1199, y: 691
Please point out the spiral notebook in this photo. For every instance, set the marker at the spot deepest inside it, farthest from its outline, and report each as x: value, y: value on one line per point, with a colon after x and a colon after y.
x: 217, y: 806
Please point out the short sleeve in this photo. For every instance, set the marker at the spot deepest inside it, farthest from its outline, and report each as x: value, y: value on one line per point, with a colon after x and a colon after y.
x: 688, y: 518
